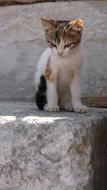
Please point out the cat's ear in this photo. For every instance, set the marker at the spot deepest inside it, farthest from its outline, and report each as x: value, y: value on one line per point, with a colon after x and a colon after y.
x: 48, y: 24
x: 76, y: 25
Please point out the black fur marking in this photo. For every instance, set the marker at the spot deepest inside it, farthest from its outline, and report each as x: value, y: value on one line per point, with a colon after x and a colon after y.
x: 40, y: 96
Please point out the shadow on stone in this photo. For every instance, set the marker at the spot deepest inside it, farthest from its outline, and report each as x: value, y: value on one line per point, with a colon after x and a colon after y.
x: 99, y: 156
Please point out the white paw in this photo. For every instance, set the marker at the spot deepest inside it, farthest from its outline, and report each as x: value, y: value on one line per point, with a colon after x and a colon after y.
x: 67, y: 106
x: 51, y: 108
x: 79, y: 108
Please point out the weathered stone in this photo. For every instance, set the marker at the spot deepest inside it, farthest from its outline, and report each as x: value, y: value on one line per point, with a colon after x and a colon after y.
x: 22, y: 41
x: 52, y: 151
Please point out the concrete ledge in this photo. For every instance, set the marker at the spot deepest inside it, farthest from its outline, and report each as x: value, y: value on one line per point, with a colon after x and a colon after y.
x: 52, y: 151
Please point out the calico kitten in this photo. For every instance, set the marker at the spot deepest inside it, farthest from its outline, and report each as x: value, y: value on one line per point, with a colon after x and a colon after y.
x: 58, y: 71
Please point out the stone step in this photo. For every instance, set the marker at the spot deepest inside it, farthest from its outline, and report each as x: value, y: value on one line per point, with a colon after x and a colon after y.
x: 22, y: 41
x: 52, y: 151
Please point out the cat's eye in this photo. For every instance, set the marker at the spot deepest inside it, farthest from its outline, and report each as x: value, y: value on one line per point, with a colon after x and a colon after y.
x: 68, y: 45
x: 52, y: 44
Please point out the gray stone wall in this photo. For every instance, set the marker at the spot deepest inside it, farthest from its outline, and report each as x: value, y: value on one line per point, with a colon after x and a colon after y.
x: 22, y: 41
x: 52, y: 151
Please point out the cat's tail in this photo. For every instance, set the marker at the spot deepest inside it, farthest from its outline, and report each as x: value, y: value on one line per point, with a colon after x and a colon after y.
x: 40, y: 95
x: 41, y: 86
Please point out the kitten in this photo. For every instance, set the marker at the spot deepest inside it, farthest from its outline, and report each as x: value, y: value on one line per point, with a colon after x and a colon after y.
x: 58, y: 71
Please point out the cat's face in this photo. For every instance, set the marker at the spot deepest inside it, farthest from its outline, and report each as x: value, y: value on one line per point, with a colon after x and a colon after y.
x: 63, y: 36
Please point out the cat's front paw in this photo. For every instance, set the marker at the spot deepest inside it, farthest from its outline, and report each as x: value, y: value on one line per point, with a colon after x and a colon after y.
x: 51, y: 108
x: 79, y: 108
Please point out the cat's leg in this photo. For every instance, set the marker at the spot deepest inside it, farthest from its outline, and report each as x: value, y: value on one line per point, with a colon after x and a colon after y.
x: 76, y: 95
x: 52, y: 97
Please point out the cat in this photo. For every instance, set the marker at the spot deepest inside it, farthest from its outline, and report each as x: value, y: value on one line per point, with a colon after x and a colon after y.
x: 57, y: 76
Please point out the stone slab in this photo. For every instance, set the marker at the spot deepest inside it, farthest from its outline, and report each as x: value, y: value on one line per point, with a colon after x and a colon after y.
x: 52, y: 151
x: 22, y: 41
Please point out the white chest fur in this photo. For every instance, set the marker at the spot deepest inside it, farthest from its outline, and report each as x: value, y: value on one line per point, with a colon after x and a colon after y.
x: 65, y: 67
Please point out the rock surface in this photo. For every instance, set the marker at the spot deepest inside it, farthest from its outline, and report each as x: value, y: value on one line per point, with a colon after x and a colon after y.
x: 22, y: 41
x: 52, y: 151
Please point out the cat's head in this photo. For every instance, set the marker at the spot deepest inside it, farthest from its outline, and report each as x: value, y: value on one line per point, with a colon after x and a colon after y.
x: 63, y: 36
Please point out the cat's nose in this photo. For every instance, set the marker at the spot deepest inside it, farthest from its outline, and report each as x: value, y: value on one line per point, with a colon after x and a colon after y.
x: 60, y: 53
